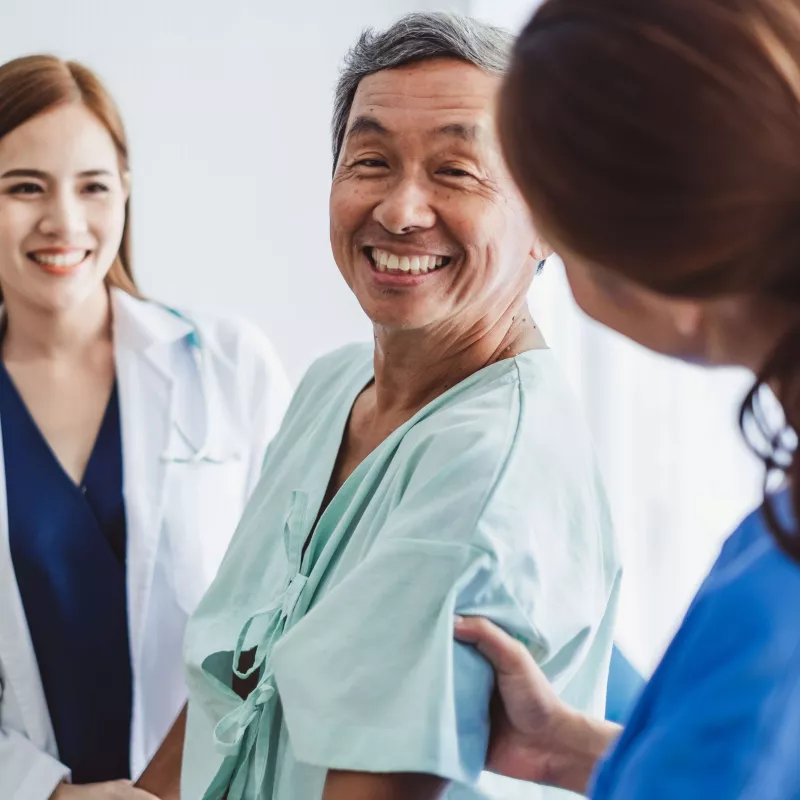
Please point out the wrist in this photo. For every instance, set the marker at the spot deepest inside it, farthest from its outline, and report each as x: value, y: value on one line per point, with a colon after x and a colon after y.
x: 579, y: 742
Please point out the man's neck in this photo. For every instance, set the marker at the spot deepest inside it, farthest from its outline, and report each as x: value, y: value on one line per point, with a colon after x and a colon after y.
x: 412, y: 368
x: 35, y: 333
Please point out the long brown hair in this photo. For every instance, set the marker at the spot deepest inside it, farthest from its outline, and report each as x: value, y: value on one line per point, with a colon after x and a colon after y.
x: 661, y: 139
x: 32, y: 85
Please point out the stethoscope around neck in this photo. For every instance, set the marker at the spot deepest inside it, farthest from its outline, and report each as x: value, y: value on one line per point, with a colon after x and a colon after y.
x: 201, y: 455
x: 204, y: 453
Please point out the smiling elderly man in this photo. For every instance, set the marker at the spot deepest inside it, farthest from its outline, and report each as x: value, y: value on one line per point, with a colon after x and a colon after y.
x: 441, y: 470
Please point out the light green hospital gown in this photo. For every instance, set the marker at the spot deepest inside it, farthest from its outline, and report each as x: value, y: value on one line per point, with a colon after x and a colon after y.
x: 487, y: 502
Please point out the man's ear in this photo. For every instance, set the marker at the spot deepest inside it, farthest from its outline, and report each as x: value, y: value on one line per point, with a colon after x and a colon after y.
x: 540, y: 251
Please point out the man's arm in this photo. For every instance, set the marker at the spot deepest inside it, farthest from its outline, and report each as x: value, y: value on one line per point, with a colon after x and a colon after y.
x: 340, y: 785
x: 536, y: 737
x: 163, y: 774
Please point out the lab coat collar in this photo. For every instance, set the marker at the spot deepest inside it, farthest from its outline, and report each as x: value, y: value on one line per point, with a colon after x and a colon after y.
x: 141, y: 324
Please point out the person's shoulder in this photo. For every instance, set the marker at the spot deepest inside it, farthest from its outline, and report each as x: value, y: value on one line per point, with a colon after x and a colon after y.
x: 752, y: 535
x: 756, y: 582
x: 232, y: 336
x: 518, y: 438
x: 518, y: 423
x: 472, y: 423
x: 741, y: 629
x: 227, y: 336
x: 520, y: 409
x: 330, y: 379
x: 242, y: 349
x: 235, y: 351
x: 355, y: 355
x: 338, y: 367
x: 545, y: 394
x: 734, y: 665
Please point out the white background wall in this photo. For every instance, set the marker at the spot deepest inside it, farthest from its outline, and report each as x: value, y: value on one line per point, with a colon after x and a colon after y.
x: 228, y: 106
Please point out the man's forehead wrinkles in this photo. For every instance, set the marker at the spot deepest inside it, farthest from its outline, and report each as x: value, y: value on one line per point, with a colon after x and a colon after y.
x: 457, y: 121
x: 446, y: 102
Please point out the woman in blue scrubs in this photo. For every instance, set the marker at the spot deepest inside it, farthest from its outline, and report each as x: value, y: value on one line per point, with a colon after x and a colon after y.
x: 658, y: 144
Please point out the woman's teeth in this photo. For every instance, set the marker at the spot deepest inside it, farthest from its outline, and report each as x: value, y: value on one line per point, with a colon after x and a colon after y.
x: 60, y: 260
x: 413, y: 265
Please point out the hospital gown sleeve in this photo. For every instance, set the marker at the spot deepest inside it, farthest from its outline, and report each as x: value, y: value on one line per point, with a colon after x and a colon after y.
x: 371, y: 678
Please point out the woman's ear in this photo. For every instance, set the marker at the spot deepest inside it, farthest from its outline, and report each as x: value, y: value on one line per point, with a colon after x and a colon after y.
x: 126, y: 184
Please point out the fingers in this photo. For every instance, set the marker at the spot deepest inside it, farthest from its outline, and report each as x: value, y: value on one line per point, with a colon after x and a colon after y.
x: 141, y: 794
x: 133, y: 793
x: 506, y: 654
x: 144, y: 794
x: 125, y: 790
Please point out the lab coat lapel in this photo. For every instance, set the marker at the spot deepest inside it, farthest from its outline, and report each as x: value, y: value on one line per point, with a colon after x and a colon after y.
x: 20, y: 668
x: 145, y: 342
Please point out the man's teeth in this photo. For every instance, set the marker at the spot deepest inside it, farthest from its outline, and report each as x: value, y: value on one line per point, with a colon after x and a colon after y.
x: 61, y: 260
x: 414, y: 265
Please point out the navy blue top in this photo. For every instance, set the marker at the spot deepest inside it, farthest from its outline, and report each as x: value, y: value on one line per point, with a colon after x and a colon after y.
x: 721, y: 717
x: 68, y: 552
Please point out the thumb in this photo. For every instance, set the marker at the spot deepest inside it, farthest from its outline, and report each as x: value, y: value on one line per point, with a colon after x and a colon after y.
x: 504, y: 653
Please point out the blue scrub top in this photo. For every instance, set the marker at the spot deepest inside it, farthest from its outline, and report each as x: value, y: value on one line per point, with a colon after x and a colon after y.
x: 721, y: 717
x: 68, y: 552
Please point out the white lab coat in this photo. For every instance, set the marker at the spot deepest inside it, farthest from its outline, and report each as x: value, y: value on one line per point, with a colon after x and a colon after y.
x: 180, y: 518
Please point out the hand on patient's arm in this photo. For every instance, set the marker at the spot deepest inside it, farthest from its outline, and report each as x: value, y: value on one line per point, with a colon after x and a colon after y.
x: 341, y: 785
x: 163, y: 774
x: 535, y: 736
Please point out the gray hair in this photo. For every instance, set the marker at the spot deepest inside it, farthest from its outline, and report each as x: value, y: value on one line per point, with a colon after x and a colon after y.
x: 416, y: 37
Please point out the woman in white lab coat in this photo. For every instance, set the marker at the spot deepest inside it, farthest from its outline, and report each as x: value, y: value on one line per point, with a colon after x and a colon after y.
x: 131, y: 437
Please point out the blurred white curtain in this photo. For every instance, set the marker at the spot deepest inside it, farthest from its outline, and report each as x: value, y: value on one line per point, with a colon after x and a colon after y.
x: 677, y: 471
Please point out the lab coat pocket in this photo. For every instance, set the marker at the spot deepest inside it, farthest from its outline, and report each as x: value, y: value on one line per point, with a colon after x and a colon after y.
x: 204, y: 504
